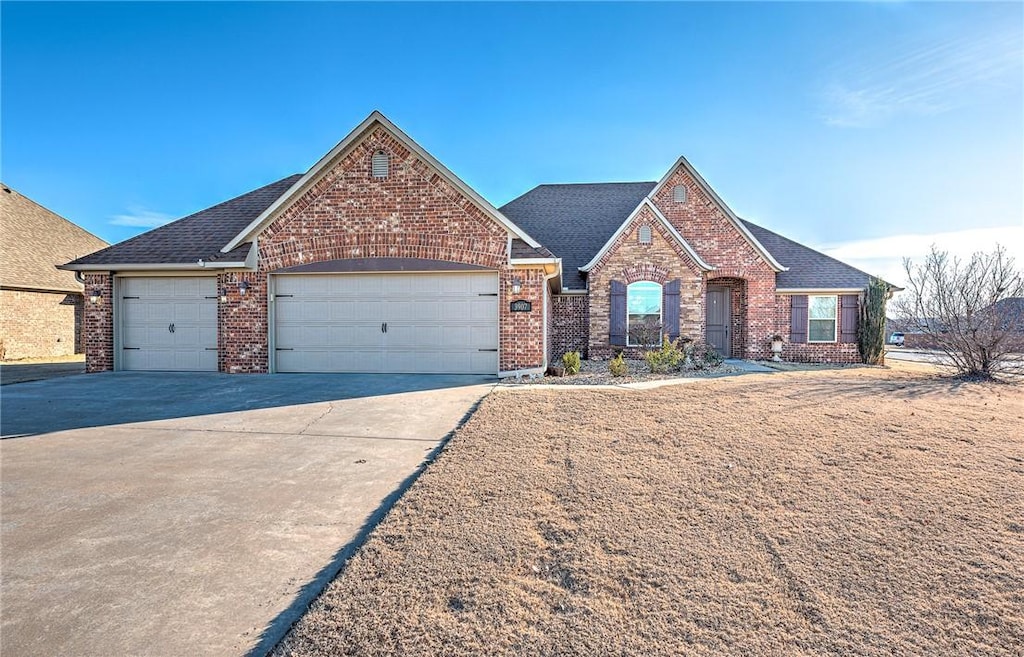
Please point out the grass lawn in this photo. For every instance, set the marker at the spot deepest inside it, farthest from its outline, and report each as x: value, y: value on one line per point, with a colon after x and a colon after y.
x: 860, y: 511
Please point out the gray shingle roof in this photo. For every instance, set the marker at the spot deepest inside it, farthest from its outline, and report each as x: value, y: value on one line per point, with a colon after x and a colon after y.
x: 575, y: 220
x: 36, y: 240
x: 197, y: 236
x: 807, y: 268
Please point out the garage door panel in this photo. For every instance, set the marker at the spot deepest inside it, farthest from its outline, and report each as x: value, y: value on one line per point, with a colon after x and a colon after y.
x: 189, y: 304
x: 435, y: 323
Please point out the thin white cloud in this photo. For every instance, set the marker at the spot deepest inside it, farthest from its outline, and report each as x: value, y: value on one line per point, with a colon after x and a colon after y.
x: 141, y: 218
x: 884, y: 256
x: 923, y: 79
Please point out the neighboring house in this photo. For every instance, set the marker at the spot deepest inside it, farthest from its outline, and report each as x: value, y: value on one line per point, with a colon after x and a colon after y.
x: 40, y: 306
x: 1008, y: 314
x: 379, y: 259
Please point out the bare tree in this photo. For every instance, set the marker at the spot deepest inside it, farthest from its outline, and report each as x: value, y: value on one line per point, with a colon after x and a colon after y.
x: 959, y: 306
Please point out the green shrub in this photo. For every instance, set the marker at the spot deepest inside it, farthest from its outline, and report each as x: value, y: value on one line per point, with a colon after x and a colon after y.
x: 666, y: 359
x: 703, y: 356
x: 618, y: 366
x: 571, y: 360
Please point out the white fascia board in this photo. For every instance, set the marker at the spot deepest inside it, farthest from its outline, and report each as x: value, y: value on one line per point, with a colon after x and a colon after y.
x: 671, y: 229
x: 819, y: 290
x: 156, y: 266
x: 535, y: 261
x: 747, y: 235
x: 341, y: 148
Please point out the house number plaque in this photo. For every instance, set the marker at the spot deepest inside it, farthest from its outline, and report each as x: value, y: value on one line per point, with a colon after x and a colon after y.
x: 521, y: 306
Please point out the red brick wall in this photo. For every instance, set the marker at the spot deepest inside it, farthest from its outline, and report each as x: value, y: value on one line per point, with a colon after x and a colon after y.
x: 36, y: 324
x: 569, y: 326
x: 629, y: 261
x: 817, y: 352
x: 705, y: 226
x: 413, y: 213
x: 98, y: 320
x: 521, y: 339
x: 242, y: 345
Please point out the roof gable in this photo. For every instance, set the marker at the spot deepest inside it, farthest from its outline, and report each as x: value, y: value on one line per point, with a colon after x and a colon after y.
x: 36, y: 241
x: 336, y: 154
x: 669, y: 228
x: 684, y: 164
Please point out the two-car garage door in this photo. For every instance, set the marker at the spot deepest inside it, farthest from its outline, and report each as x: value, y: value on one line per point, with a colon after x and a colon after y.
x: 399, y: 323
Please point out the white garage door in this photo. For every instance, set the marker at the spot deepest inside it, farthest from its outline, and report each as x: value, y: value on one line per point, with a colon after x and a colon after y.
x: 399, y: 323
x: 169, y: 324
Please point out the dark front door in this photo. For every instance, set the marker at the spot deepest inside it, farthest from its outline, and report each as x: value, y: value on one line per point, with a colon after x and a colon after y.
x: 719, y: 310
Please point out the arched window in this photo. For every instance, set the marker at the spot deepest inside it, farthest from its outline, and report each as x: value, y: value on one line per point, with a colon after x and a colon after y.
x: 643, y: 314
x: 679, y: 193
x: 644, y: 234
x: 379, y: 164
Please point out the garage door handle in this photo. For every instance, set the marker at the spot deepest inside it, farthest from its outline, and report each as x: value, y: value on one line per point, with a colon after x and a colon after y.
x: 170, y: 328
x: 384, y: 327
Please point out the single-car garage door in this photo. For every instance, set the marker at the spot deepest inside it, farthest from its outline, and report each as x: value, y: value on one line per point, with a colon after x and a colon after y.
x: 398, y: 323
x: 168, y: 323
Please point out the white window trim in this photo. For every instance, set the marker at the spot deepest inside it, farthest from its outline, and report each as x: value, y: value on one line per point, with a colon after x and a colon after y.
x: 661, y: 313
x: 835, y: 319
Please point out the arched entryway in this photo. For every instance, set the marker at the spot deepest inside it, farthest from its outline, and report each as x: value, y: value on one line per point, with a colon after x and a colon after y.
x: 724, y: 307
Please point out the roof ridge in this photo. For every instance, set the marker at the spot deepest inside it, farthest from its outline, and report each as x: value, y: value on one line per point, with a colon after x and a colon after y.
x: 612, y: 182
x: 193, y: 215
x: 10, y: 190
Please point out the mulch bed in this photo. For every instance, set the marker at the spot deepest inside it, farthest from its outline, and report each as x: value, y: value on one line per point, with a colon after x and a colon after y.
x: 595, y: 372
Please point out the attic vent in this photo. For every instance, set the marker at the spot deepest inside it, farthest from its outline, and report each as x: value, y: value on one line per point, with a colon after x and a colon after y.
x: 379, y: 164
x: 644, y: 235
x: 679, y: 193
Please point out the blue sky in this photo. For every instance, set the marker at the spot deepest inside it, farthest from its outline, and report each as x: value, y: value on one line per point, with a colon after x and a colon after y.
x: 867, y: 129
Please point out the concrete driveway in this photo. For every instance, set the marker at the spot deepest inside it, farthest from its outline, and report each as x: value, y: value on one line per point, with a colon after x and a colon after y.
x: 197, y: 514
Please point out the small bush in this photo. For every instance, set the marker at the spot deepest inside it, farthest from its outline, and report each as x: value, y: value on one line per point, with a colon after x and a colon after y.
x: 618, y: 366
x: 703, y: 356
x: 571, y: 361
x: 666, y: 359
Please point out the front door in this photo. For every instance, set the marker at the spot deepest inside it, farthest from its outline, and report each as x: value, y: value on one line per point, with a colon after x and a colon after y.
x: 719, y: 310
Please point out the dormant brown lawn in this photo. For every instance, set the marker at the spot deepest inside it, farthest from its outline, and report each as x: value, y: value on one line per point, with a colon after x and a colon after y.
x: 863, y: 511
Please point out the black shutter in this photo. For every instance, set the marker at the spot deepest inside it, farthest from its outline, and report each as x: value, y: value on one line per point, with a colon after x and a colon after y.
x: 670, y: 308
x: 848, y: 318
x: 798, y: 319
x: 617, y: 318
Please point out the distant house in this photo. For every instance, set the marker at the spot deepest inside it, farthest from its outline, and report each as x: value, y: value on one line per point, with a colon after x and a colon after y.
x: 1009, y: 314
x: 40, y: 306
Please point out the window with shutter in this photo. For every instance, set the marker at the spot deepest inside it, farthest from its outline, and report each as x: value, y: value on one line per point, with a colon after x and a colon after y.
x: 643, y: 300
x: 379, y: 164
x: 821, y: 318
x: 798, y: 319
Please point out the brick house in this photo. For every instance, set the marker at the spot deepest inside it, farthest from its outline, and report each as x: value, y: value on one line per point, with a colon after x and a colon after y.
x: 40, y: 306
x: 380, y: 259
